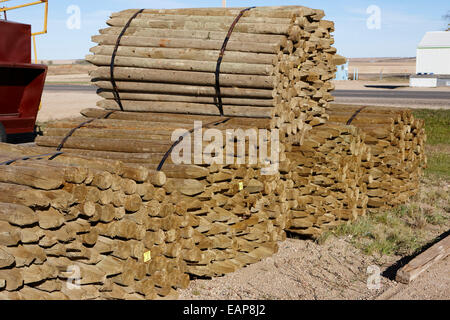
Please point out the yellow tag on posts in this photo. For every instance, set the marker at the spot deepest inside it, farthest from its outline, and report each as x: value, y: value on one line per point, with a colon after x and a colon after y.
x: 147, y: 256
x: 241, y: 186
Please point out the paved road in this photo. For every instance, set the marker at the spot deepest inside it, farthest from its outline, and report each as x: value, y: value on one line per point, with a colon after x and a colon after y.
x: 392, y: 94
x: 380, y: 94
x: 64, y: 87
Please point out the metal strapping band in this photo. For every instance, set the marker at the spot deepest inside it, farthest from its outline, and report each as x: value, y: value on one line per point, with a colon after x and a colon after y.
x: 71, y: 132
x: 113, y: 58
x: 51, y: 155
x: 349, y: 122
x: 218, y: 97
x: 167, y: 154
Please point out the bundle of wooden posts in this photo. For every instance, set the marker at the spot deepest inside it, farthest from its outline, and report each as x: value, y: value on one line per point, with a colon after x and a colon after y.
x: 396, y: 140
x: 277, y: 63
x: 198, y: 236
x: 326, y: 176
x: 274, y: 75
x: 224, y: 197
x: 139, y: 224
x: 96, y: 218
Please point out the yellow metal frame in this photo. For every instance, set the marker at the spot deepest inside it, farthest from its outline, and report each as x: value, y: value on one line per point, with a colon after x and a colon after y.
x: 34, y: 34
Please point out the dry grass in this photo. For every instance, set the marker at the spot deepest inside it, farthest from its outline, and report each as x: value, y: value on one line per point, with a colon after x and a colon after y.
x: 405, y: 229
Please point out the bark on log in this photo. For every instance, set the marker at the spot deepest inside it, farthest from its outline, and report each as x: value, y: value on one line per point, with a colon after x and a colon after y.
x: 133, y: 41
x: 194, y: 34
x: 188, y: 108
x: 178, y: 24
x: 17, y: 214
x: 184, y: 77
x: 222, y: 19
x: 187, y: 54
x: 182, y: 65
x: 41, y: 178
x: 181, y: 89
x: 184, y: 98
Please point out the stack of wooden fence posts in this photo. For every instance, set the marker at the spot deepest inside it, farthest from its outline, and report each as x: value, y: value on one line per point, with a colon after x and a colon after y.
x: 396, y: 140
x: 138, y: 226
x: 328, y: 179
x: 92, y: 221
x: 160, y: 81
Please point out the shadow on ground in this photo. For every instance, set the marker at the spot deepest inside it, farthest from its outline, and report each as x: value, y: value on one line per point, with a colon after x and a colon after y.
x: 385, y: 86
x: 391, y: 271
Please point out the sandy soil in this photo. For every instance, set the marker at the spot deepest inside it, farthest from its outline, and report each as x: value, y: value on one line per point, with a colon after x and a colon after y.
x: 302, y: 269
x: 65, y: 104
x: 305, y: 270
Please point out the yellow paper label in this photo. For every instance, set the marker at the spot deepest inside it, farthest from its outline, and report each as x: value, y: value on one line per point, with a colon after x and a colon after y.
x: 241, y: 186
x: 147, y: 256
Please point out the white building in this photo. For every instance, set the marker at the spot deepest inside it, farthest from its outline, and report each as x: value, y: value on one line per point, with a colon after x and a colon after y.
x: 433, y: 60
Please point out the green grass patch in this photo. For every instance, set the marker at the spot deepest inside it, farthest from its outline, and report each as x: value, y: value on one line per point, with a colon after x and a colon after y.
x: 438, y: 164
x: 437, y: 125
x: 385, y: 232
x: 437, y: 128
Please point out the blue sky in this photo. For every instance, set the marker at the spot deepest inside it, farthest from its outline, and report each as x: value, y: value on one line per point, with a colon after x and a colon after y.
x: 402, y: 23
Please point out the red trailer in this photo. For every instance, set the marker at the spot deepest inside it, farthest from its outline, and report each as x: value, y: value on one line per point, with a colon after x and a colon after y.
x: 21, y: 82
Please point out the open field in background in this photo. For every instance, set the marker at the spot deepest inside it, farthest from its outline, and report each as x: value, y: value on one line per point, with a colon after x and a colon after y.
x: 69, y: 68
x: 392, y: 69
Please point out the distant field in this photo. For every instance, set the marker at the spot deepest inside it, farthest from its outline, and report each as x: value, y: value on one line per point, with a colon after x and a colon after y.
x: 391, y: 68
x: 68, y: 69
x: 387, y: 65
